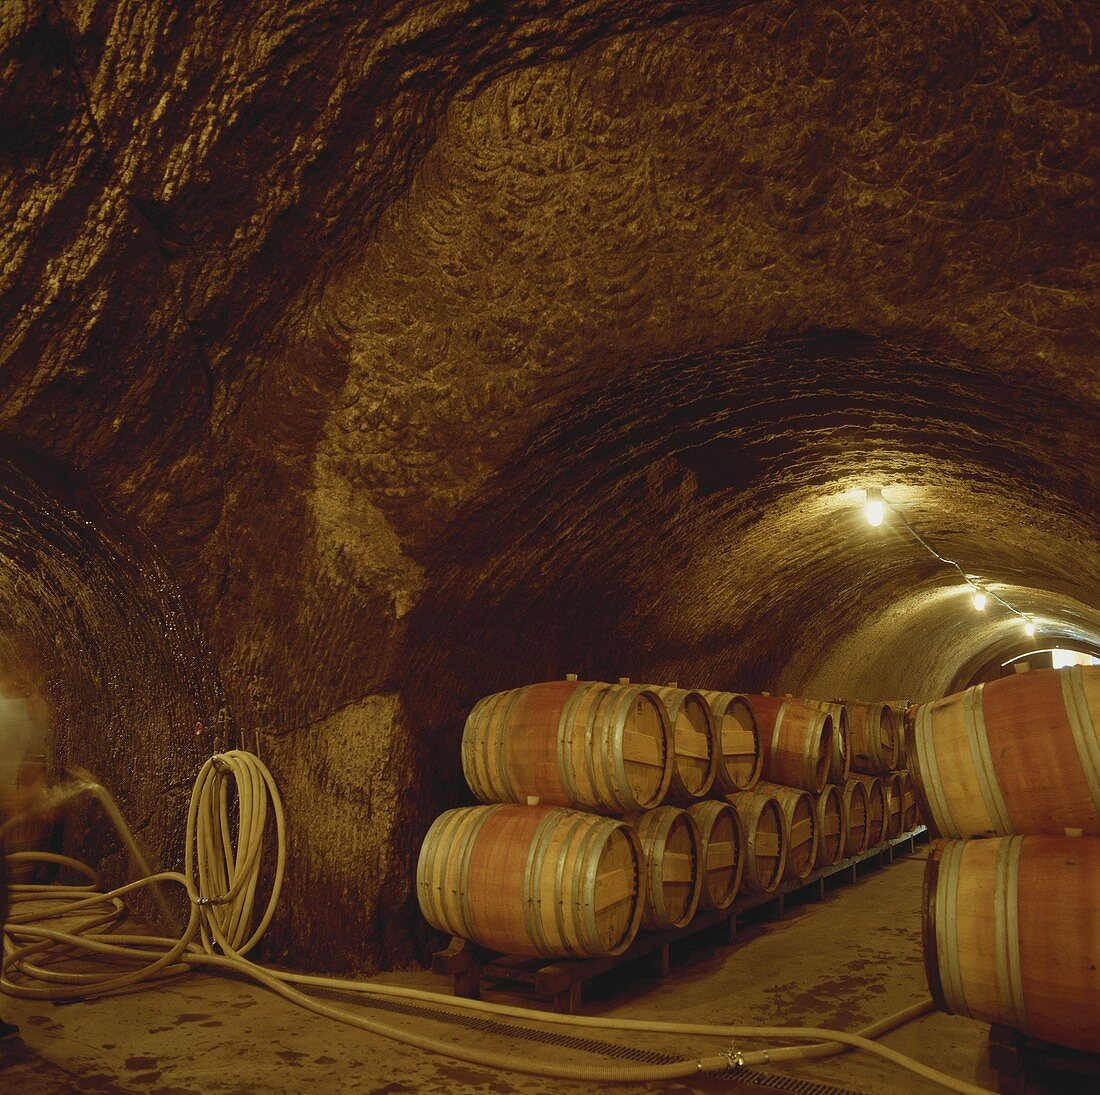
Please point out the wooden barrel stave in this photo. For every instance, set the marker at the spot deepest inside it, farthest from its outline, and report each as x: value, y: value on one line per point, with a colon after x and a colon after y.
x: 532, y: 880
x: 800, y: 813
x: 856, y: 807
x: 975, y: 757
x: 766, y: 840
x: 872, y: 738
x: 1010, y: 934
x: 894, y: 791
x: 910, y: 813
x: 723, y: 851
x: 876, y: 809
x: 672, y: 851
x: 740, y: 756
x: 796, y: 741
x: 832, y: 825
x: 840, y: 757
x: 582, y: 744
x: 694, y: 743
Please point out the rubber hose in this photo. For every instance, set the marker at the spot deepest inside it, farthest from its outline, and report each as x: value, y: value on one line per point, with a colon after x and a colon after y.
x: 222, y: 905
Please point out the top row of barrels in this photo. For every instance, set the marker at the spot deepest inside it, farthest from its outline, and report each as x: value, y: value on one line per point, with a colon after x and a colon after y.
x: 614, y: 748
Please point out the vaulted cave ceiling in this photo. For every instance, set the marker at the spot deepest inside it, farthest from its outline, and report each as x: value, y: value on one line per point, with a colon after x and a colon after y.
x: 437, y: 347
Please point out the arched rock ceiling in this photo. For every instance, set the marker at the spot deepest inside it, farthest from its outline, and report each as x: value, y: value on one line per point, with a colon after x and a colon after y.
x: 448, y: 345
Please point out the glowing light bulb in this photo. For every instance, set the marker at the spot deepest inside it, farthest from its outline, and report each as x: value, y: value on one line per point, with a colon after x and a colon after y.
x: 875, y: 509
x: 979, y: 600
x: 1029, y: 629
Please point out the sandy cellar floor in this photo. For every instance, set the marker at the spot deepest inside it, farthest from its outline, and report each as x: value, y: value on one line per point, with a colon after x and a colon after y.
x: 844, y: 962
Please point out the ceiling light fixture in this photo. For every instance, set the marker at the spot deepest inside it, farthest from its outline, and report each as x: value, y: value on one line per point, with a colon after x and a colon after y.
x: 875, y: 508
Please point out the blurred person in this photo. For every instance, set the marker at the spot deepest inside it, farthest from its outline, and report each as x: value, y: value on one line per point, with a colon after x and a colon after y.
x: 23, y: 721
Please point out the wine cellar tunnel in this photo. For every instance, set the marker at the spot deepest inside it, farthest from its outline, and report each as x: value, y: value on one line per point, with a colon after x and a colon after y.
x: 361, y: 361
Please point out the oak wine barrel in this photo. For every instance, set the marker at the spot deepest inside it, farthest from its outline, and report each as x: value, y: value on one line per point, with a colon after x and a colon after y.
x: 673, y: 869
x: 533, y: 880
x: 723, y: 838
x: 740, y: 756
x: 856, y: 831
x: 894, y: 790
x: 694, y: 743
x: 872, y: 738
x: 766, y: 840
x: 840, y: 758
x: 910, y: 814
x: 831, y: 825
x: 584, y: 744
x: 1016, y: 755
x: 876, y: 809
x: 797, y: 741
x: 800, y: 811
x: 1011, y: 934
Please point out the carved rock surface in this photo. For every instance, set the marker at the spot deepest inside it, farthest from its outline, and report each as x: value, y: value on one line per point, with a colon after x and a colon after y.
x: 422, y: 349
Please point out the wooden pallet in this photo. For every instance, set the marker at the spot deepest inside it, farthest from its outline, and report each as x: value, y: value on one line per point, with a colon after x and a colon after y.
x: 562, y: 982
x: 1016, y: 1059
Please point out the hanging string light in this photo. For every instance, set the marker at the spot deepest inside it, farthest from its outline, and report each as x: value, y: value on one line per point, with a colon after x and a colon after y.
x: 875, y: 512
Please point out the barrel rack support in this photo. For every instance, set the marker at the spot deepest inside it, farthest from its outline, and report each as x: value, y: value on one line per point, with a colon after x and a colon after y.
x: 561, y: 982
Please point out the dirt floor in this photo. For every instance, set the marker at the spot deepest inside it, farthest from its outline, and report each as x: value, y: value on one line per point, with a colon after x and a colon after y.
x: 842, y: 962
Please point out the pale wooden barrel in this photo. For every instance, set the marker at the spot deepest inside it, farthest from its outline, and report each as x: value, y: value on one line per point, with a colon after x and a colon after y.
x: 1015, y: 755
x: 840, y: 759
x: 766, y: 840
x: 1011, y: 934
x: 832, y: 825
x: 800, y: 813
x: 876, y: 809
x: 673, y: 871
x: 797, y: 741
x: 533, y: 880
x: 909, y: 813
x: 694, y: 743
x: 584, y: 744
x: 872, y: 738
x: 723, y: 838
x: 894, y: 790
x: 740, y: 756
x: 855, y: 811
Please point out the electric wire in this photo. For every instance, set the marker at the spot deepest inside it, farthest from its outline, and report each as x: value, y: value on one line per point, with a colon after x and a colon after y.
x: 951, y: 563
x: 221, y: 878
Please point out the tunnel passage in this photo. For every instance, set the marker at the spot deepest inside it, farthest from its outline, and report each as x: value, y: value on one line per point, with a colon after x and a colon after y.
x: 90, y: 616
x: 364, y: 317
x: 703, y: 522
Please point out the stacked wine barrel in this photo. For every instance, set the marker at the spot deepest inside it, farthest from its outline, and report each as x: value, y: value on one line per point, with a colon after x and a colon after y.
x: 1008, y: 772
x: 848, y: 755
x: 613, y: 808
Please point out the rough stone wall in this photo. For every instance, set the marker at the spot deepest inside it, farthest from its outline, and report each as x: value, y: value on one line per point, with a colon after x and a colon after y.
x: 441, y: 346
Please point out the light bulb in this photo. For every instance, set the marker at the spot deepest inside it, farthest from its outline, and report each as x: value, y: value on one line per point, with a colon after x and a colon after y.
x: 875, y: 509
x: 979, y: 600
x: 1029, y: 629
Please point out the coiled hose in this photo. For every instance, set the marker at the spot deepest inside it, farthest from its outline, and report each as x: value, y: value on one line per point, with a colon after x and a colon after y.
x: 221, y: 878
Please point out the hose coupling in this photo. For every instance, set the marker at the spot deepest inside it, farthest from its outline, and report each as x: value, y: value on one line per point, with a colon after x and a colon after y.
x: 735, y: 1059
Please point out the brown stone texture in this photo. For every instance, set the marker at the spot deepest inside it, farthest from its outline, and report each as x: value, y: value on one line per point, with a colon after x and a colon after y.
x: 397, y: 353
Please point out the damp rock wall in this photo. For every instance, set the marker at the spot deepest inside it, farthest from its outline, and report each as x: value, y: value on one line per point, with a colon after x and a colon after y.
x: 431, y: 348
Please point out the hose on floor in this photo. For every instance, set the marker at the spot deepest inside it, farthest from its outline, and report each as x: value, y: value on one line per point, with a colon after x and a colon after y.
x: 56, y: 923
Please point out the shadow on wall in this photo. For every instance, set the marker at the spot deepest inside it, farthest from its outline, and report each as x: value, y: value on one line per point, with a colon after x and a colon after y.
x: 114, y: 654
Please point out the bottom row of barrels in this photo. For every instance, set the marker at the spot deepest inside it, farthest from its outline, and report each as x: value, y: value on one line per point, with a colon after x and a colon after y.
x: 553, y: 882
